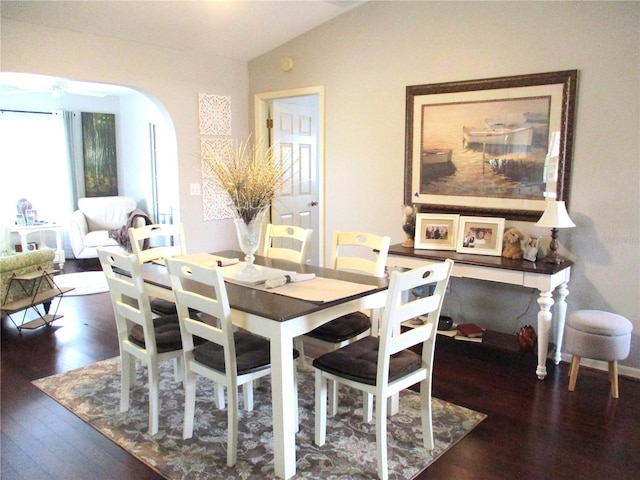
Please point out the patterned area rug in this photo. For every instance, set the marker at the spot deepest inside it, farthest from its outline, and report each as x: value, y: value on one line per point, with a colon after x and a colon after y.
x: 93, y: 393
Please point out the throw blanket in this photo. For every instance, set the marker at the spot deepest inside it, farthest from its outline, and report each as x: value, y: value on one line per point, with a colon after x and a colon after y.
x: 121, y: 235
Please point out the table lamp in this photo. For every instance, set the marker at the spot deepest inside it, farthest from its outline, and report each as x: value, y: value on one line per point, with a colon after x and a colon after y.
x: 555, y: 216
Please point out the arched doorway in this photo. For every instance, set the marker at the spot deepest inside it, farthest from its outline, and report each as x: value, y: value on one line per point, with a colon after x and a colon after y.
x: 145, y: 139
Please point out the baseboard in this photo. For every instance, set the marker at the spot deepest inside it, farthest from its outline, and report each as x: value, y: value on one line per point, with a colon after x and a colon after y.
x: 604, y: 366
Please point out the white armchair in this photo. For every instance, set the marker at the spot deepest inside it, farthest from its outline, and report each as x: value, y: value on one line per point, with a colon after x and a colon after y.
x: 90, y: 224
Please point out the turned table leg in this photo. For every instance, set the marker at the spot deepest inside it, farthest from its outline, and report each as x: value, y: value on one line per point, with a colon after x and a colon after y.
x: 545, y: 300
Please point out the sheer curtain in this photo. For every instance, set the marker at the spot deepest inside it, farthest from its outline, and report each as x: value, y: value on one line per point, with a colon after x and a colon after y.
x: 34, y: 165
x: 73, y: 153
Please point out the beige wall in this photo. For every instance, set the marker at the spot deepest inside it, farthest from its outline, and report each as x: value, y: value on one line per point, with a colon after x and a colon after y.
x: 174, y: 78
x: 367, y: 57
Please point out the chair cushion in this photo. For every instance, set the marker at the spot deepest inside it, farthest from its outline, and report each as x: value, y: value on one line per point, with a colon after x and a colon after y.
x: 167, y: 334
x: 163, y: 307
x: 252, y: 354
x: 342, y: 328
x: 358, y: 361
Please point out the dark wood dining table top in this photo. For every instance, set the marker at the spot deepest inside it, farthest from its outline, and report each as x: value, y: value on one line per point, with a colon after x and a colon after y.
x: 268, y: 304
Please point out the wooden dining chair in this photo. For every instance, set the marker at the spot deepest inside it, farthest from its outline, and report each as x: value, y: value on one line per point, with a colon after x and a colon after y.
x: 227, y: 357
x: 154, y: 243
x: 383, y: 366
x: 287, y: 242
x: 140, y: 335
x: 357, y: 252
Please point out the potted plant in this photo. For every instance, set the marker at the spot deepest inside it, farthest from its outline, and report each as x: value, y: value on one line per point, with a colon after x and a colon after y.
x: 251, y: 175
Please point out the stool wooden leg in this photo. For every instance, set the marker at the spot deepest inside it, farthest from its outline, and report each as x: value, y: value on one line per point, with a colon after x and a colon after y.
x: 573, y: 374
x: 613, y: 378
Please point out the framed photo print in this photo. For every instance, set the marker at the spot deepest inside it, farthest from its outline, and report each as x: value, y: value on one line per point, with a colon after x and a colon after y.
x: 32, y: 216
x: 20, y: 220
x: 531, y: 248
x: 436, y: 231
x: 480, y: 235
x: 497, y: 147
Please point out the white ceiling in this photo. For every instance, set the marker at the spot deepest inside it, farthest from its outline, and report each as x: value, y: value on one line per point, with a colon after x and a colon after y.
x: 235, y: 29
x: 239, y: 29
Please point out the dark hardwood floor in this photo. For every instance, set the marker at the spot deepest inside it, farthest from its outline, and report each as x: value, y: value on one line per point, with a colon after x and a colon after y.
x: 534, y: 430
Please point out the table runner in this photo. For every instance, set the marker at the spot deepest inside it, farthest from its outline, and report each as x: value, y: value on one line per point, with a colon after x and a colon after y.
x: 320, y: 290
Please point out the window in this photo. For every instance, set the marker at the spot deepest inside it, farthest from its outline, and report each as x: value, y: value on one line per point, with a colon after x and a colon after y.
x: 34, y: 166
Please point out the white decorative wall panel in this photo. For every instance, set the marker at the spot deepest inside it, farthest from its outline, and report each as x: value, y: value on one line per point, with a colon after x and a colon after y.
x: 215, y: 138
x: 215, y: 114
x: 215, y: 202
x: 209, y: 149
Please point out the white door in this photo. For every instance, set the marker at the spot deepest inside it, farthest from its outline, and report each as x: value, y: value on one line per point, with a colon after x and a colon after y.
x: 294, y: 138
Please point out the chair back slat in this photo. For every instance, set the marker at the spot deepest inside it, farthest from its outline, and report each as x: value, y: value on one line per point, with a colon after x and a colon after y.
x: 201, y: 288
x: 418, y: 307
x: 188, y: 302
x: 128, y: 296
x: 157, y: 241
x: 360, y: 252
x: 287, y: 242
x: 399, y: 309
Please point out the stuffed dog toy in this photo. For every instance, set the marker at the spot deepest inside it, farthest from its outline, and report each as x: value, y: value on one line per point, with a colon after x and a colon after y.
x: 512, y: 244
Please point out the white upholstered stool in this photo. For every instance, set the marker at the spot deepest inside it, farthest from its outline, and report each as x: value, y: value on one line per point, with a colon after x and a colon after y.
x: 600, y: 336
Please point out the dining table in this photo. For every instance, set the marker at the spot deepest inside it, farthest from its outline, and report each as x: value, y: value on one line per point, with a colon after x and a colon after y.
x: 281, y: 318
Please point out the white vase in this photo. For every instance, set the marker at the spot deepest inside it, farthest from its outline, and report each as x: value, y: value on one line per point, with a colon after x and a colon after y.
x: 249, y: 240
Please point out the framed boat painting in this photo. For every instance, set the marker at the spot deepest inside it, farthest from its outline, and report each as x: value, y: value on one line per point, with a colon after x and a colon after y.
x: 495, y: 147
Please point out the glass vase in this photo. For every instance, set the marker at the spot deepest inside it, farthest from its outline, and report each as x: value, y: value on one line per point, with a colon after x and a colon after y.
x: 249, y: 240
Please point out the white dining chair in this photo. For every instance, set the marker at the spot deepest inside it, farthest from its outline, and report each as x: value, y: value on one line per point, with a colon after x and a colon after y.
x: 157, y: 241
x: 287, y: 242
x: 229, y: 357
x: 140, y: 335
x: 358, y: 252
x: 154, y: 243
x: 385, y: 365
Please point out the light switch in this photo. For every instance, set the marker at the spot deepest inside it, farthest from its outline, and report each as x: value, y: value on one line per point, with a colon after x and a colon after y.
x: 194, y: 189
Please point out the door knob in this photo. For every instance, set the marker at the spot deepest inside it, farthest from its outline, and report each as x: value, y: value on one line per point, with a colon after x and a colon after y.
x: 313, y: 204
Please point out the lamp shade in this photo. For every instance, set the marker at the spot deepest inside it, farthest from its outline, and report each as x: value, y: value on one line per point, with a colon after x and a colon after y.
x: 555, y: 216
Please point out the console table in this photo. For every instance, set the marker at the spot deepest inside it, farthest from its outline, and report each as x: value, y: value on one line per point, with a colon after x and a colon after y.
x: 41, y: 229
x: 548, y: 278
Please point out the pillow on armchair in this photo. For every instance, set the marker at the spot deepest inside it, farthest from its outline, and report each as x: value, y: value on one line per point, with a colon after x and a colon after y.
x: 90, y: 224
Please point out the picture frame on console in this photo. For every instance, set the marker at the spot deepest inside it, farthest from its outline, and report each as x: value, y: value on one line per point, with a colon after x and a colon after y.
x: 531, y: 248
x: 480, y: 235
x: 498, y: 147
x: 436, y: 231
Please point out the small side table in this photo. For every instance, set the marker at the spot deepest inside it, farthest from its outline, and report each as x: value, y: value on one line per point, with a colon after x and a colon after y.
x: 30, y: 284
x: 25, y: 230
